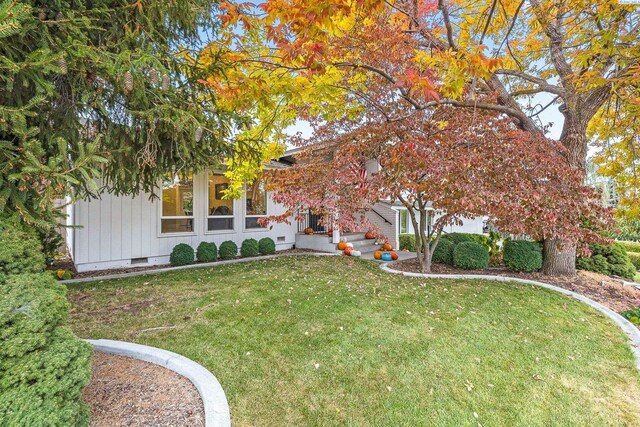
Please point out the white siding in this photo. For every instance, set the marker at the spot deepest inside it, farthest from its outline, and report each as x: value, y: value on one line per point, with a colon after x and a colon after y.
x: 116, y: 229
x: 469, y: 225
x: 390, y: 227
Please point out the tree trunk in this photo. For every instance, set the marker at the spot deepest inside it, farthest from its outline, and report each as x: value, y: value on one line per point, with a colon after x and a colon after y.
x: 559, y: 258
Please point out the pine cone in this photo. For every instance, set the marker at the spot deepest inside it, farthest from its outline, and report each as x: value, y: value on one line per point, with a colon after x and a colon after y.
x: 128, y: 81
x: 165, y: 82
x: 59, y: 16
x: 154, y: 76
x: 62, y: 64
x: 42, y: 16
x: 198, y: 134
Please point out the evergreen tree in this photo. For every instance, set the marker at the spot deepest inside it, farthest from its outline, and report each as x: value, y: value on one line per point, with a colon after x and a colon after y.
x: 102, y: 88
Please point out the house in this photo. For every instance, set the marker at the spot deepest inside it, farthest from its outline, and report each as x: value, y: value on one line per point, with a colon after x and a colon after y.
x: 128, y: 231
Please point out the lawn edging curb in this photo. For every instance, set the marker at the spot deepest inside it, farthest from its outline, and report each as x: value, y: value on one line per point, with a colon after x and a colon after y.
x: 186, y: 267
x: 627, y: 327
x: 214, y: 401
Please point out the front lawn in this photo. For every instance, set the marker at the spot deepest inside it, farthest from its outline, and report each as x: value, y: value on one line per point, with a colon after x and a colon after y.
x: 326, y: 341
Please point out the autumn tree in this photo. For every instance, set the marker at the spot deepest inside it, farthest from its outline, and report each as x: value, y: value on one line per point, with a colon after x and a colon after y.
x: 458, y: 163
x: 494, y: 55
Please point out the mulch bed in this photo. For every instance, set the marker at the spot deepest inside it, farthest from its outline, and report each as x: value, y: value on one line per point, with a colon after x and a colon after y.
x: 129, y: 392
x: 68, y: 265
x: 608, y: 291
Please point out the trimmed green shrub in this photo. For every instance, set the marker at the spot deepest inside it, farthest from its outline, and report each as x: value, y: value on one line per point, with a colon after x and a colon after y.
x: 20, y: 250
x: 443, y: 253
x: 522, y: 256
x: 408, y: 242
x: 207, y: 252
x: 635, y: 259
x: 267, y: 246
x: 43, y: 366
x: 457, y: 238
x: 632, y: 315
x: 228, y: 250
x: 182, y: 254
x: 249, y: 247
x: 470, y: 256
x: 629, y: 246
x: 609, y: 260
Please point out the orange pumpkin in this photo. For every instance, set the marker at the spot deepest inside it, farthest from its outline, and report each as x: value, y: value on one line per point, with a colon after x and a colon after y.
x: 377, y: 254
x: 347, y: 251
x: 342, y: 246
x: 386, y: 247
x: 330, y: 233
x: 308, y: 230
x: 369, y: 235
x: 394, y: 256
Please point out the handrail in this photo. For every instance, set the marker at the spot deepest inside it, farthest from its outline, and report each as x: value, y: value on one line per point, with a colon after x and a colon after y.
x: 378, y: 213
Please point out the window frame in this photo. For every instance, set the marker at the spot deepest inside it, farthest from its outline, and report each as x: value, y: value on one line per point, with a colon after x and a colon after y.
x: 192, y: 217
x: 244, y: 211
x: 206, y: 210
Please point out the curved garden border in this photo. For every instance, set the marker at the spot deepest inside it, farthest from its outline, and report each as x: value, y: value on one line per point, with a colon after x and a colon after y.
x: 216, y: 407
x: 632, y: 332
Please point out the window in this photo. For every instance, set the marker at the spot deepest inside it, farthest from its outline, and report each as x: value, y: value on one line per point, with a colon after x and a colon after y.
x: 403, y: 221
x: 177, y: 205
x: 256, y: 203
x: 219, y: 210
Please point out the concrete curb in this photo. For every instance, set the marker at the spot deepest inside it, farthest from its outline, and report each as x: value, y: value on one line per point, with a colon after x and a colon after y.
x: 628, y: 328
x: 186, y: 267
x: 216, y: 407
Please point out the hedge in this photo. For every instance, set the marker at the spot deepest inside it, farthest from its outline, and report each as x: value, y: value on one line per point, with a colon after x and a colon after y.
x: 228, y: 250
x: 207, y: 252
x: 267, y: 246
x: 467, y: 237
x: 182, y: 254
x: 635, y: 259
x: 443, y: 253
x: 629, y: 246
x: 43, y: 366
x: 408, y: 242
x: 609, y: 260
x: 249, y: 248
x: 20, y: 251
x: 522, y: 256
x: 470, y: 256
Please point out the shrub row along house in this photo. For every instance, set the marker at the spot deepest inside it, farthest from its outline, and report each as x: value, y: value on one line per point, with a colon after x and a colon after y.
x: 124, y: 231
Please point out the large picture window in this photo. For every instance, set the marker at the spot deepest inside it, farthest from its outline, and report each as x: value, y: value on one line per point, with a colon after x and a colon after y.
x: 177, y: 205
x: 255, y: 203
x: 219, y: 210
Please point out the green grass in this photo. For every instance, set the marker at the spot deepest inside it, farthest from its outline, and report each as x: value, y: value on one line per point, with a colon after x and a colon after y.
x: 327, y: 341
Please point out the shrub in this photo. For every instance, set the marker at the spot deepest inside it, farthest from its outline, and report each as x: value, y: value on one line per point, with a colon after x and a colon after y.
x: 607, y: 259
x: 629, y: 246
x: 43, y: 366
x: 470, y: 256
x: 635, y: 259
x: 632, y: 315
x: 207, y: 252
x: 522, y: 256
x: 228, y: 250
x: 443, y: 253
x: 249, y: 248
x: 267, y: 246
x: 182, y: 254
x: 408, y: 242
x: 20, y: 250
x: 457, y: 238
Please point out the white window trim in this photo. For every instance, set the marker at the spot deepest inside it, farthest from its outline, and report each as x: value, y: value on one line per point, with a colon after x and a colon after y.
x: 193, y: 232
x: 206, y: 211
x: 245, y: 216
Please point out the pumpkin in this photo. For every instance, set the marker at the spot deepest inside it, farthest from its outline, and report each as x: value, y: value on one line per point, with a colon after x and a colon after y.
x: 369, y: 235
x: 377, y: 254
x: 308, y: 230
x: 386, y: 256
x: 350, y: 245
x: 330, y: 233
x: 347, y: 251
x: 342, y: 246
x: 386, y: 247
x: 394, y: 256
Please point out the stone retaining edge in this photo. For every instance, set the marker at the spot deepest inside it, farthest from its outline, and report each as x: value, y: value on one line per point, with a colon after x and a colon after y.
x: 216, y: 407
x: 185, y: 267
x: 627, y: 327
